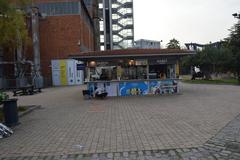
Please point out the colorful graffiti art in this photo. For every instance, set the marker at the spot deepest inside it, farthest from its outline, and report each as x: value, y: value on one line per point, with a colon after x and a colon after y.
x: 133, y: 88
x: 163, y: 87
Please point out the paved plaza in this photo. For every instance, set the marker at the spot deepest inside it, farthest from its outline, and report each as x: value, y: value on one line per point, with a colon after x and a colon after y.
x: 173, y: 125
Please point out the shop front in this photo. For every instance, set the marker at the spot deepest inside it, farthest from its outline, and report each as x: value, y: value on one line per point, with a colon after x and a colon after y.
x: 133, y: 72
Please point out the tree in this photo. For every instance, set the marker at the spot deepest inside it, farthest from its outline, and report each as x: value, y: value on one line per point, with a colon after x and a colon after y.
x: 13, y: 28
x: 211, y: 60
x: 220, y: 60
x: 173, y: 44
x: 234, y: 45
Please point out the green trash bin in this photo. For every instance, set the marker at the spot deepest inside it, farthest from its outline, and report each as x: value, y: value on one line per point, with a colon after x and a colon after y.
x: 10, y: 112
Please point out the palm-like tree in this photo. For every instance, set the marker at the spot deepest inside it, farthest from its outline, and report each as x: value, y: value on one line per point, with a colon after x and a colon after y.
x: 173, y: 44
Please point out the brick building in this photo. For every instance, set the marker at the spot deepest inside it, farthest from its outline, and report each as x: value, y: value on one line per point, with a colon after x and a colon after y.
x: 65, y: 27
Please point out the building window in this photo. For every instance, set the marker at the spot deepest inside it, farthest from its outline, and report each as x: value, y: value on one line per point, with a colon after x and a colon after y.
x: 102, y: 48
x: 101, y: 26
x: 115, y: 27
x: 115, y: 5
x: 115, y: 16
x: 101, y: 38
x: 59, y: 8
x: 116, y: 38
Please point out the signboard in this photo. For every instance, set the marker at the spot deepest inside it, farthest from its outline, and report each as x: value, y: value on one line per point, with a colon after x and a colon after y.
x: 142, y: 62
x: 56, y: 73
x: 162, y: 61
x: 63, y: 72
x: 71, y: 72
x: 67, y: 72
x: 80, y: 67
x: 102, y: 64
x: 158, y: 61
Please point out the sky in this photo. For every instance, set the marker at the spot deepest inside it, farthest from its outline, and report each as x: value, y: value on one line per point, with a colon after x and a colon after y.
x: 200, y: 21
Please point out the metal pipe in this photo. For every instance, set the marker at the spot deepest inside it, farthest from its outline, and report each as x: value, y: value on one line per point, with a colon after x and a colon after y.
x: 22, y: 62
x: 35, y: 37
x: 37, y: 78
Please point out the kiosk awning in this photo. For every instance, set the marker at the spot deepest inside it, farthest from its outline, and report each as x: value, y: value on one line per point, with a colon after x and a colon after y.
x: 131, y: 53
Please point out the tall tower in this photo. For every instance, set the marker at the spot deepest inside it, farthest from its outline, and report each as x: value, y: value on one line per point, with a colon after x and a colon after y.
x: 116, y: 24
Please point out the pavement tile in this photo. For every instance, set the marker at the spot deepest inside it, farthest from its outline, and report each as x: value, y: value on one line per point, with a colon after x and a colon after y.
x: 133, y: 126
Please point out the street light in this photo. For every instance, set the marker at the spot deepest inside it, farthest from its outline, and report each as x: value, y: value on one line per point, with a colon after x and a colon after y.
x: 236, y: 15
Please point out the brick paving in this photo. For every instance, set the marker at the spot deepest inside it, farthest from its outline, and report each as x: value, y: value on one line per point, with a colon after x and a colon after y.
x: 154, y: 127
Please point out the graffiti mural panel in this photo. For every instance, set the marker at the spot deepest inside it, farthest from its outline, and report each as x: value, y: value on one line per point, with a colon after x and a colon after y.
x: 163, y: 87
x: 133, y: 88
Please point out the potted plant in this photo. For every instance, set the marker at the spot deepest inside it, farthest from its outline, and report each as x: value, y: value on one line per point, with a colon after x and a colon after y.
x: 10, y: 111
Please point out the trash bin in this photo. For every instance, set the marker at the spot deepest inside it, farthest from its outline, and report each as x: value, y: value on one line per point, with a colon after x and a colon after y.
x: 10, y: 112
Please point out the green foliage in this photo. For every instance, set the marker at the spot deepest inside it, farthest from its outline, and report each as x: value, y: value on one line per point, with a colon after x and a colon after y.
x: 3, y: 96
x: 13, y: 28
x: 173, y: 44
x: 222, y: 81
x: 212, y: 60
x: 234, y: 38
x: 4, y: 6
x: 234, y: 45
x: 224, y: 59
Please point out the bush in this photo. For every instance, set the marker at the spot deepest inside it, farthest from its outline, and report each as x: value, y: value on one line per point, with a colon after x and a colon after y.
x: 3, y: 96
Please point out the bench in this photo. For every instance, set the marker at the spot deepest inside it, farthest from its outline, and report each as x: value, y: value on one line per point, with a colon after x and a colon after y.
x: 26, y: 90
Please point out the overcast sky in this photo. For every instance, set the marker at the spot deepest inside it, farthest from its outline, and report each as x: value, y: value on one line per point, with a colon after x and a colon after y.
x: 198, y: 21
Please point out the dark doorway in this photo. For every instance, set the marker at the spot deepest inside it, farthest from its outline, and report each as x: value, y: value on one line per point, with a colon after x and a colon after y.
x: 158, y: 71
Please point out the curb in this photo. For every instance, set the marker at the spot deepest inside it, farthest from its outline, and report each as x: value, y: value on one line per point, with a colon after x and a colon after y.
x: 31, y: 109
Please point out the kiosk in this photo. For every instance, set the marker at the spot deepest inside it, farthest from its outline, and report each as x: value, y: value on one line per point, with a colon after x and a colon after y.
x: 133, y: 71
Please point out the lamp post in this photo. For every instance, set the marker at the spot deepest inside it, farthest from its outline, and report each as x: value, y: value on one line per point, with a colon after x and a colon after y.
x: 236, y: 15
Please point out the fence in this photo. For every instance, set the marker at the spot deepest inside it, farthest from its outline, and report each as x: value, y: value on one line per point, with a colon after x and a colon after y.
x: 14, y: 83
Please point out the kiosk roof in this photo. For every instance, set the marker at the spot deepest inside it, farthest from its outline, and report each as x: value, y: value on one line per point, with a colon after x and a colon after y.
x: 132, y: 53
